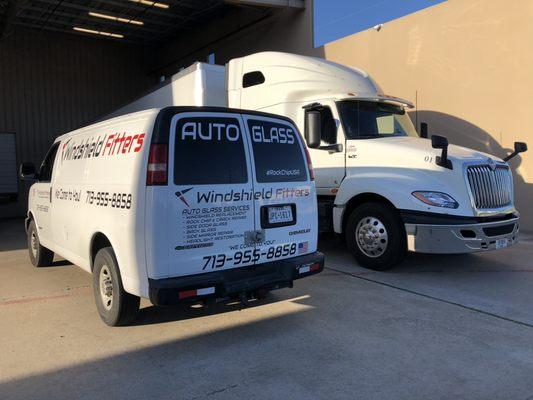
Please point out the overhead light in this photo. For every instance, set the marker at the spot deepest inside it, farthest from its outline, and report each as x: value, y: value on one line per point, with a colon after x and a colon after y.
x: 151, y: 3
x: 115, y: 35
x: 118, y: 19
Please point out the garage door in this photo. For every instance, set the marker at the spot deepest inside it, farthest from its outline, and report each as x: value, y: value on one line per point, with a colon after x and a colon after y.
x: 8, y: 167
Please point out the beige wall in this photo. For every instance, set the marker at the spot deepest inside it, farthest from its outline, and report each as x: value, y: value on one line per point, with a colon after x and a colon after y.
x: 469, y: 65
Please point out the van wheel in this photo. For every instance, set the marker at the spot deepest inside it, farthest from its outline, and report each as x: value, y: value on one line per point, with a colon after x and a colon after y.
x: 40, y: 256
x: 375, y: 236
x: 115, y: 306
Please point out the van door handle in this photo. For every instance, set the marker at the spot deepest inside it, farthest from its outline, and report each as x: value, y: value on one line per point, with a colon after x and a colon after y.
x: 50, y: 194
x: 259, y: 236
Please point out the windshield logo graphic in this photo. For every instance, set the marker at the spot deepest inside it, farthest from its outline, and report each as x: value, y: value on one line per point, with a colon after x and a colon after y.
x: 102, y: 146
x: 181, y: 197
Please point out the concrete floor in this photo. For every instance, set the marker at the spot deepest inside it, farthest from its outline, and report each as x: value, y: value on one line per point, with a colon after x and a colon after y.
x: 438, y: 327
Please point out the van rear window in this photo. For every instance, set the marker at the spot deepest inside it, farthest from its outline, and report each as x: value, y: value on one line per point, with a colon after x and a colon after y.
x: 278, y: 153
x: 209, y: 150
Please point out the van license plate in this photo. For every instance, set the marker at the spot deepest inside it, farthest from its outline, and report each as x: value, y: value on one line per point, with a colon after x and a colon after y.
x: 502, y: 243
x: 280, y: 215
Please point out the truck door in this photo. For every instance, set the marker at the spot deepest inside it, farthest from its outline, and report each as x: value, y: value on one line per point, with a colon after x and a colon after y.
x: 204, y: 218
x: 42, y: 194
x: 285, y: 200
x: 329, y: 166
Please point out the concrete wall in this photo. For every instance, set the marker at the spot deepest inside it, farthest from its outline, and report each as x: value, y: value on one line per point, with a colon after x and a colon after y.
x: 468, y: 64
x: 51, y: 84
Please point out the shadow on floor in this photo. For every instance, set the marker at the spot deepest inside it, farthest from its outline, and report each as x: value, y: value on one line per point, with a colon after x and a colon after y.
x: 169, y: 370
x: 158, y: 315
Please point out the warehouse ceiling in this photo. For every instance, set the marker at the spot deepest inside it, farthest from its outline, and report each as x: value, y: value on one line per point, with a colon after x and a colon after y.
x: 135, y: 21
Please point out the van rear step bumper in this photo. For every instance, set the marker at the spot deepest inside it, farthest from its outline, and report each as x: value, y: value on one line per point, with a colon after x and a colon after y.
x: 231, y: 282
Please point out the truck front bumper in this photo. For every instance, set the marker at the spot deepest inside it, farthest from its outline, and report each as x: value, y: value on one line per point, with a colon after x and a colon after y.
x: 232, y: 282
x: 461, y: 237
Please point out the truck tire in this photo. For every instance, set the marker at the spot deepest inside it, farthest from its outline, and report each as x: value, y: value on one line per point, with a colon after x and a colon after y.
x: 115, y: 306
x: 40, y: 256
x: 375, y: 236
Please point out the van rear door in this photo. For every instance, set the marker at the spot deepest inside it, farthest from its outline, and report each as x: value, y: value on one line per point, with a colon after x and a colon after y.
x: 204, y: 216
x: 285, y: 203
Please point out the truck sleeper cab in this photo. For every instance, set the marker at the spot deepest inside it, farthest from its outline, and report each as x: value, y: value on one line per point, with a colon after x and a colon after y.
x: 179, y: 204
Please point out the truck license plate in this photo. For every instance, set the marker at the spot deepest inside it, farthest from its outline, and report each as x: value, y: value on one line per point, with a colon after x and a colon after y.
x: 280, y: 215
x: 502, y: 243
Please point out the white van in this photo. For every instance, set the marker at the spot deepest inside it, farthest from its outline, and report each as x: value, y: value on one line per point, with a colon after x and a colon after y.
x: 180, y: 204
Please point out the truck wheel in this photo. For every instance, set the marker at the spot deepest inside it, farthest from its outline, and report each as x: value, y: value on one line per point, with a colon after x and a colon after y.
x: 40, y: 256
x: 115, y: 306
x: 375, y: 236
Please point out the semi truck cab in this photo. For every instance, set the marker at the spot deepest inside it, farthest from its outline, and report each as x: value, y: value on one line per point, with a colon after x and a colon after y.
x: 381, y: 185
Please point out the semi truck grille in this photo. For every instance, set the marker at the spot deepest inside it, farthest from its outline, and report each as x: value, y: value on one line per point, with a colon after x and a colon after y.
x: 490, y: 187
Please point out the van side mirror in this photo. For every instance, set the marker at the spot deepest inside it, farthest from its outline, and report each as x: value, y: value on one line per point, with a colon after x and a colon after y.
x: 519, y: 147
x: 424, y: 130
x: 27, y: 171
x: 440, y: 142
x: 312, y: 127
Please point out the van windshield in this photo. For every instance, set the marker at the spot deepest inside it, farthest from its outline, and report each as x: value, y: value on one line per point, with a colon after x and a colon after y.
x: 370, y: 119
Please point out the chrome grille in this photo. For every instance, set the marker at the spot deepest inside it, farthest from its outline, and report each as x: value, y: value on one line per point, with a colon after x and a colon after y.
x: 490, y: 188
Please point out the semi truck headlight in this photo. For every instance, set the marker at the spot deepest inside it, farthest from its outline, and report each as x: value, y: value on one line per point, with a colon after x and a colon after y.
x: 437, y: 199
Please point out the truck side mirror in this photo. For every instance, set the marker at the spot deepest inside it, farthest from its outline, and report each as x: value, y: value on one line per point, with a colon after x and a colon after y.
x: 440, y: 142
x: 424, y: 130
x: 27, y: 171
x: 519, y: 147
x: 312, y: 126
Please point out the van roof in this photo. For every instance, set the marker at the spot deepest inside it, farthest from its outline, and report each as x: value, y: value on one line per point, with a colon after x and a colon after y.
x: 103, y: 124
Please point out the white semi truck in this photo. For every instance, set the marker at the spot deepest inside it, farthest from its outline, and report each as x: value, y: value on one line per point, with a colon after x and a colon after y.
x: 386, y: 188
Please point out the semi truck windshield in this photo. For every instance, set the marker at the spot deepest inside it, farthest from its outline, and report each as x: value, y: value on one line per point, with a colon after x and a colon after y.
x: 368, y: 119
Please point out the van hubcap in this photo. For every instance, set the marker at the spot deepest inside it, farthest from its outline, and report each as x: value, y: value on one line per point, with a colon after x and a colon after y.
x: 371, y: 237
x: 34, y: 243
x: 106, y: 287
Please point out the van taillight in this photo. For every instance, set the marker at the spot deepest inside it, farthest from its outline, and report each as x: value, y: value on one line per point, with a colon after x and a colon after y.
x: 309, y: 165
x: 157, y: 165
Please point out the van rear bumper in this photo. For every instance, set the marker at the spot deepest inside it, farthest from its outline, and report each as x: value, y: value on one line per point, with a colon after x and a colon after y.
x: 231, y: 282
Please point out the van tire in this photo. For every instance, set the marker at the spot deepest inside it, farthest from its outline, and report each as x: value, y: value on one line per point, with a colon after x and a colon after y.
x: 115, y: 306
x: 40, y: 256
x: 374, y: 224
